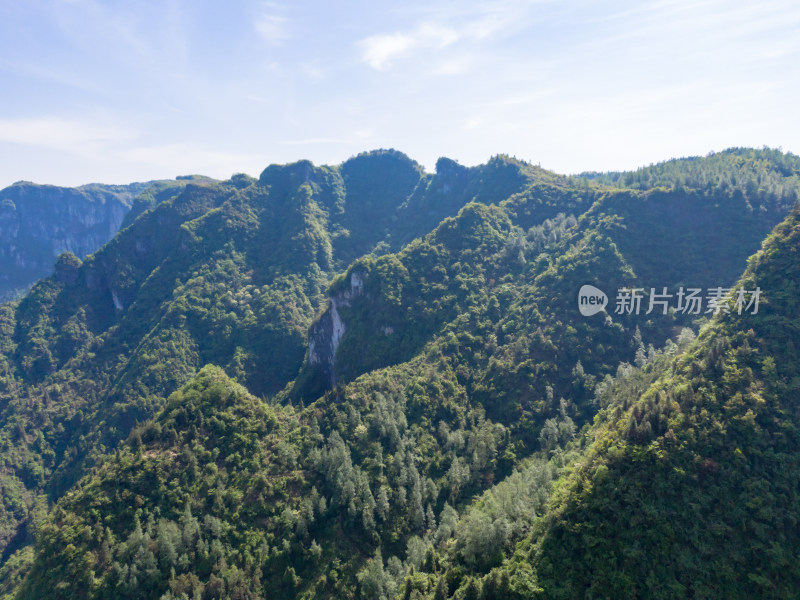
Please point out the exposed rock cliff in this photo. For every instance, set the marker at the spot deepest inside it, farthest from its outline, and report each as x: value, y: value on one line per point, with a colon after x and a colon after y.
x: 327, y: 332
x: 39, y: 222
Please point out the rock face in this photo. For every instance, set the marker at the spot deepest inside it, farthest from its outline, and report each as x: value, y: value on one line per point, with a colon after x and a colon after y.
x: 327, y: 332
x: 39, y: 222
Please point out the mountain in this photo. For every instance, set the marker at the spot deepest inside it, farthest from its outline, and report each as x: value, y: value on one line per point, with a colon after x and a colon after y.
x: 399, y: 389
x: 39, y: 222
x: 689, y: 488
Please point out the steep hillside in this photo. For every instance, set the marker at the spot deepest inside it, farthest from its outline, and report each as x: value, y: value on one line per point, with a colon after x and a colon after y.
x: 418, y: 338
x: 39, y: 222
x: 230, y: 273
x: 188, y: 496
x: 660, y: 238
x: 692, y: 490
x: 685, y: 485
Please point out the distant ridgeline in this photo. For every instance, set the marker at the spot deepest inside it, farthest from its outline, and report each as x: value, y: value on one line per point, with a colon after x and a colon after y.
x: 369, y: 381
x: 39, y: 222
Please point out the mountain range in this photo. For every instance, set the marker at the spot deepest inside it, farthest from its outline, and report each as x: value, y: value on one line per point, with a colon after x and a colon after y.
x: 370, y: 381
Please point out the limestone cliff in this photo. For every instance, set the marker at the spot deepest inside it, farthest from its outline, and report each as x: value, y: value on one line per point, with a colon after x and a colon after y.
x: 327, y: 332
x: 39, y: 222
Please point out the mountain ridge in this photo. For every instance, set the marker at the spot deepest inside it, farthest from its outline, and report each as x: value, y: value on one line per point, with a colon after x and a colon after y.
x: 460, y: 361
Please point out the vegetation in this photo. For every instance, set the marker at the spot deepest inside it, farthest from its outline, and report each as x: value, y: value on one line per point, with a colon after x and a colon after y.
x: 689, y: 490
x: 366, y: 381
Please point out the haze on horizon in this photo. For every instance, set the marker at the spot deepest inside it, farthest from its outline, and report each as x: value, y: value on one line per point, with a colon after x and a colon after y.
x: 140, y: 90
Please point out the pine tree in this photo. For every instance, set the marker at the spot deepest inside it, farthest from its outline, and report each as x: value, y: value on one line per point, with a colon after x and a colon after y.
x: 441, y: 592
x: 473, y: 591
x: 382, y: 505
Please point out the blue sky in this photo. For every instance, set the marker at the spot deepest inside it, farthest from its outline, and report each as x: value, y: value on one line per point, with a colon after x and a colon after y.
x: 134, y: 90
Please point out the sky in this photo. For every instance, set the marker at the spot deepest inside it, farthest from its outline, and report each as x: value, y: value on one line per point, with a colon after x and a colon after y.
x: 134, y: 90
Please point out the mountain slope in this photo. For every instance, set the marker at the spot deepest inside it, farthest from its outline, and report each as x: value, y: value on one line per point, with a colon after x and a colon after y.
x: 214, y: 452
x: 434, y: 369
x: 230, y: 273
x: 692, y: 489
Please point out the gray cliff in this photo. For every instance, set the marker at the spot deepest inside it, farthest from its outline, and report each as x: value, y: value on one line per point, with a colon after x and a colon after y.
x: 39, y: 222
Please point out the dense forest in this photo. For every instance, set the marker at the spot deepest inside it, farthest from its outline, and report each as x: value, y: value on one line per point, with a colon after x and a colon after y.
x: 370, y: 381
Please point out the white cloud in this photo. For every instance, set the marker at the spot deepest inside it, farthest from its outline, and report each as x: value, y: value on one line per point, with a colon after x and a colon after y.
x: 379, y: 51
x: 445, y: 26
x: 273, y: 28
x: 59, y: 133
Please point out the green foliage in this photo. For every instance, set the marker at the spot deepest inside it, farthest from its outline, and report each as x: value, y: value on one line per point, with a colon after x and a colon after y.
x: 437, y: 420
x: 763, y: 177
x: 180, y: 507
x: 699, y: 501
x: 157, y: 192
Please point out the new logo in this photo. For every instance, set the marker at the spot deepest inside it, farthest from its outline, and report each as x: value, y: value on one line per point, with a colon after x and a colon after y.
x: 591, y: 300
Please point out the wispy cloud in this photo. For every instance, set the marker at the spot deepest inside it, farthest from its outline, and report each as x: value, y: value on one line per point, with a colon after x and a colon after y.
x: 381, y: 50
x: 272, y: 28
x: 147, y: 36
x: 443, y: 26
x: 104, y: 143
x: 59, y: 133
x: 272, y: 25
x: 714, y: 26
x: 185, y: 87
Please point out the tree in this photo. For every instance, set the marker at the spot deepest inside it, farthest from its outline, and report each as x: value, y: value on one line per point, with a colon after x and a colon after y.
x: 441, y: 592
x: 374, y: 582
x: 473, y: 591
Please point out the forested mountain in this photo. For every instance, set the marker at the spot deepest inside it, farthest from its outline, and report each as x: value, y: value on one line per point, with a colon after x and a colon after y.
x: 691, y: 488
x: 401, y: 388
x: 39, y: 222
x: 748, y: 170
x: 685, y: 485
